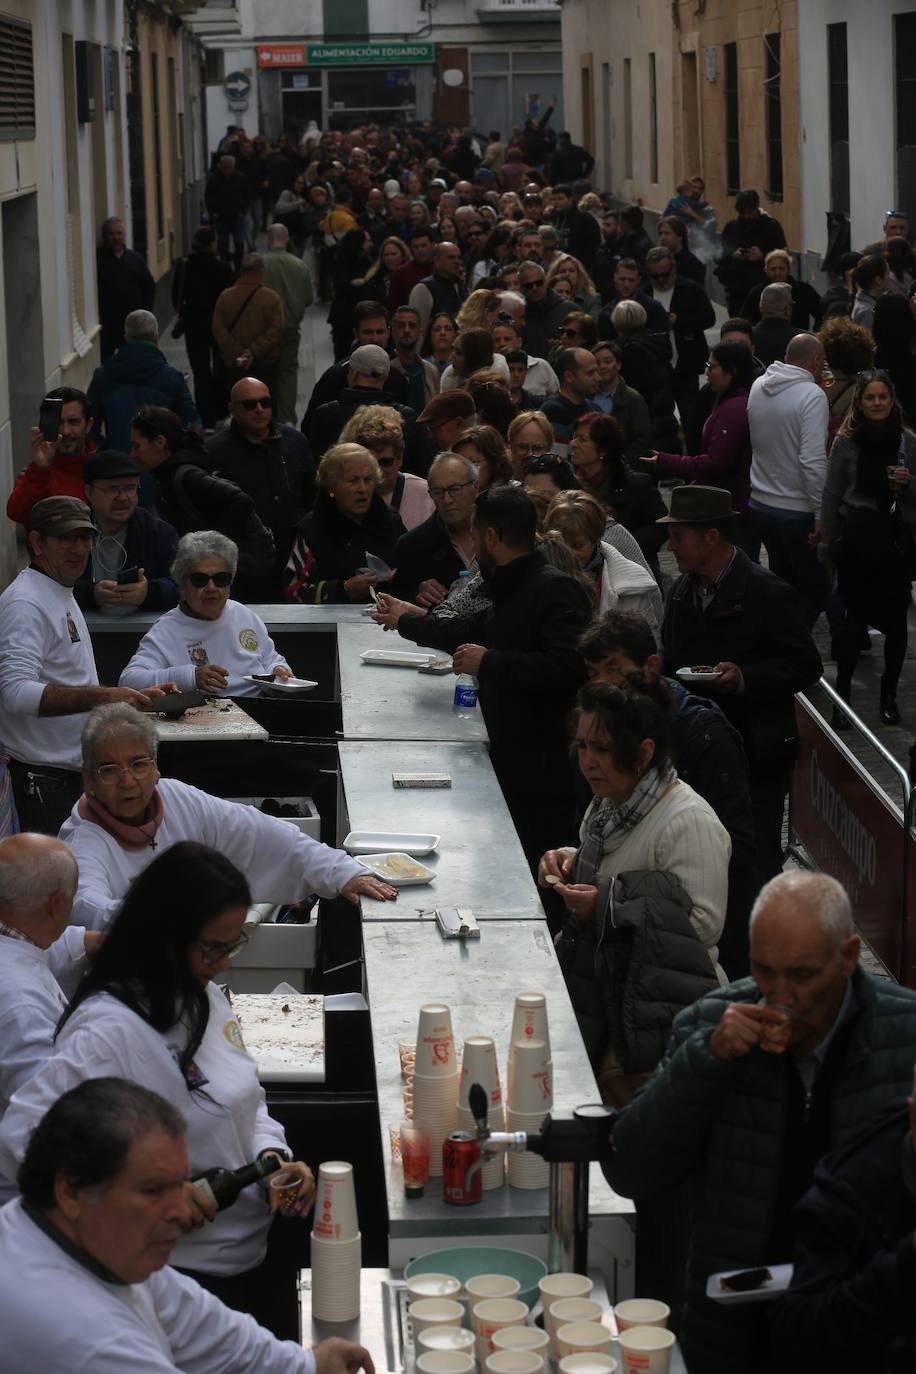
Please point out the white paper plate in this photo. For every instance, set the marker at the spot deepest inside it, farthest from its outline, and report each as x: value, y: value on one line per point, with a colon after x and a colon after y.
x: 379, y: 864
x: 688, y: 675
x: 388, y: 841
x: 401, y: 658
x: 291, y: 687
x: 773, y: 1288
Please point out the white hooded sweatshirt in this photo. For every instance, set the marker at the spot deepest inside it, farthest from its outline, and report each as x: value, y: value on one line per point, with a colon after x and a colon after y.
x: 625, y: 586
x: 788, y: 415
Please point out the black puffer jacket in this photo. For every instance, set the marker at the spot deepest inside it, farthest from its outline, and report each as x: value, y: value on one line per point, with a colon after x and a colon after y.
x: 631, y: 972
x: 646, y: 366
x: 330, y: 548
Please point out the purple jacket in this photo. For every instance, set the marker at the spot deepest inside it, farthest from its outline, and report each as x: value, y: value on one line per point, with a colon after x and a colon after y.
x: 726, y: 457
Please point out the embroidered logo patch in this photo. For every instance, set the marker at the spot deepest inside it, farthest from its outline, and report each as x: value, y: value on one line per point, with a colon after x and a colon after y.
x: 197, y: 653
x: 248, y: 640
x: 233, y: 1033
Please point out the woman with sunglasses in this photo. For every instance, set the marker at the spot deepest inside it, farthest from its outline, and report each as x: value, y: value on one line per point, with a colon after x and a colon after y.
x: 148, y: 1010
x: 208, y: 641
x: 868, y: 525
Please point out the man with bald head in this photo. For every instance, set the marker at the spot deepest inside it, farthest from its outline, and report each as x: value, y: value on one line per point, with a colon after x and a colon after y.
x: 41, y: 957
x: 761, y: 1078
x: 273, y: 463
x: 788, y: 415
x: 290, y: 278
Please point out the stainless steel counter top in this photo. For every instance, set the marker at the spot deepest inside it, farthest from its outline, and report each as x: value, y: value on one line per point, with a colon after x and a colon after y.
x: 275, y: 617
x: 384, y: 703
x: 479, y: 862
x: 479, y: 981
x: 213, y: 723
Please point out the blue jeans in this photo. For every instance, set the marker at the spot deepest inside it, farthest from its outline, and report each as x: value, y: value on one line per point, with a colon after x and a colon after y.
x: 791, y: 557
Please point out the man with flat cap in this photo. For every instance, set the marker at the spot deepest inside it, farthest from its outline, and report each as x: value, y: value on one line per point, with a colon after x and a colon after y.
x: 48, y: 678
x: 736, y: 618
x: 128, y: 569
x: 447, y: 416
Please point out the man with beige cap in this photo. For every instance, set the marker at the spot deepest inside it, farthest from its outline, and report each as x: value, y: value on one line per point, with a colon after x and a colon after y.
x: 48, y: 678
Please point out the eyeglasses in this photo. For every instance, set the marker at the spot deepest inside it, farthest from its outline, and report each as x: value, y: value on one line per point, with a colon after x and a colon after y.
x: 257, y: 402
x: 530, y: 449
x: 454, y: 491
x: 220, y: 579
x: 660, y: 276
x: 121, y: 489
x: 138, y: 769
x: 212, y: 951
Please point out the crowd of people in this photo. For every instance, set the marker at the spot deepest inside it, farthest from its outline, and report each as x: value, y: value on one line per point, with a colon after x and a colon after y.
x: 518, y: 367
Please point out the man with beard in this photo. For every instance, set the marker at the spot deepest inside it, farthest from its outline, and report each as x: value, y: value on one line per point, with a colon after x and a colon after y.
x: 56, y: 468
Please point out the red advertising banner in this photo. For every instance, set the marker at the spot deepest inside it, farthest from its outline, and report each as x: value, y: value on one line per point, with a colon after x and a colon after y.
x: 852, y: 831
x: 281, y: 55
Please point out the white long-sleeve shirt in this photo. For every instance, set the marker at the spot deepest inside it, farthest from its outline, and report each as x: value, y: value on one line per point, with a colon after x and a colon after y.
x: 788, y: 416
x: 43, y: 639
x: 32, y: 1002
x: 228, y: 1121
x: 279, y: 861
x: 58, y: 1316
x: 177, y: 645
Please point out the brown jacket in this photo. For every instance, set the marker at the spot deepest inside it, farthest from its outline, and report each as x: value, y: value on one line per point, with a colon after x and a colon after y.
x: 259, y: 328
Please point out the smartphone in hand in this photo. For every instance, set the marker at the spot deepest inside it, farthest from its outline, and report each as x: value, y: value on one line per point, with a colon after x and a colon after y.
x: 49, y: 418
x: 127, y: 575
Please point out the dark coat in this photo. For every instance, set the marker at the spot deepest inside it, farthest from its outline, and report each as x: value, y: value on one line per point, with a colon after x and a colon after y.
x: 137, y: 375
x: 542, y: 322
x: 689, y: 267
x: 630, y: 971
x: 579, y: 234
x: 754, y: 621
x: 850, y: 1305
x: 646, y: 366
x: 329, y: 419
x: 150, y: 544
x: 125, y: 284
x: 806, y: 304
x: 425, y: 551
x: 528, y: 680
x: 226, y: 197
x: 771, y: 339
x: 202, y: 280
x: 656, y: 315
x: 330, y: 547
x: 694, y: 314
x: 279, y: 476
x: 604, y: 266
x: 570, y: 163
x: 332, y: 382
x: 737, y: 274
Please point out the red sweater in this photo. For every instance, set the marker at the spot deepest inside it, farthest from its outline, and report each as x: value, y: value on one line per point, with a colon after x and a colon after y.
x: 63, y: 478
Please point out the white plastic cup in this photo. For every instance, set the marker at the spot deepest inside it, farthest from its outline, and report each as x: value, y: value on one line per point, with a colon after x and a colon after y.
x: 564, y: 1310
x: 575, y: 1337
x: 336, y: 1273
x: 493, y: 1173
x: 530, y: 1087
x: 426, y: 1312
x: 641, y: 1312
x: 432, y: 1286
x: 335, y: 1202
x: 645, y: 1350
x: 514, y: 1362
x: 446, y: 1338
x: 435, y: 1106
x: 529, y: 1020
x: 479, y: 1064
x: 446, y: 1362
x: 522, y: 1338
x: 588, y: 1362
x: 491, y: 1315
x: 435, y: 1041
x: 526, y: 1170
x: 553, y: 1287
x: 482, y: 1287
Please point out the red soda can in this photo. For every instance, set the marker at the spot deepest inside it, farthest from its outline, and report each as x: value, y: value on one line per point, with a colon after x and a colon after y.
x: 459, y: 1151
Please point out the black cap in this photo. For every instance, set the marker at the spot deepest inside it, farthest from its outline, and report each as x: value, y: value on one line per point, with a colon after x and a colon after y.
x: 110, y: 463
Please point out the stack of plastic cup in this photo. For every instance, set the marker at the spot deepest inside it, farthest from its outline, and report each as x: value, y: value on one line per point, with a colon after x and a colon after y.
x: 336, y: 1245
x: 425, y: 1313
x: 529, y: 1020
x: 564, y: 1311
x: 479, y: 1064
x: 530, y: 1338
x: 530, y: 1099
x: 435, y: 1081
x: 491, y: 1315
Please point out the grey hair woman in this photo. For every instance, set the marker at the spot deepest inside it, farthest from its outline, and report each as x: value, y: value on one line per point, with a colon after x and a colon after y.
x: 208, y: 642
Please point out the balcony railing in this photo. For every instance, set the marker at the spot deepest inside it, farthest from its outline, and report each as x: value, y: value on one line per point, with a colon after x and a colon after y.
x: 509, y: 11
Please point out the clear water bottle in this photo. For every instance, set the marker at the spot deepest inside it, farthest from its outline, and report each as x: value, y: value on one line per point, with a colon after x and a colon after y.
x: 459, y: 583
x: 465, y: 702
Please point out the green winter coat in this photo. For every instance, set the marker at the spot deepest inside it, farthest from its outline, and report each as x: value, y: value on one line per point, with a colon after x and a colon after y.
x: 719, y: 1126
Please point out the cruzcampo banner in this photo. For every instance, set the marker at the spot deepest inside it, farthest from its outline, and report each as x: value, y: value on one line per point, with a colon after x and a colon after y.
x: 368, y: 54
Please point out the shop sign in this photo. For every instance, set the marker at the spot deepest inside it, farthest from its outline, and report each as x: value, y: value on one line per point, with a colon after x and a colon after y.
x: 368, y: 54
x: 281, y: 55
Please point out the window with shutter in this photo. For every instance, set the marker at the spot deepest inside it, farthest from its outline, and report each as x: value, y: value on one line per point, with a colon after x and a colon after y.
x: 17, y: 80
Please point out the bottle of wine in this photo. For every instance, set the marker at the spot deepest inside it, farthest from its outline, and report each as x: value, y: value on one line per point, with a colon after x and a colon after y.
x: 222, y: 1186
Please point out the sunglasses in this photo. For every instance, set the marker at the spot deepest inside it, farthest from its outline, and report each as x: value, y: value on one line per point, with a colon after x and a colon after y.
x: 264, y: 402
x: 220, y: 579
x: 531, y: 285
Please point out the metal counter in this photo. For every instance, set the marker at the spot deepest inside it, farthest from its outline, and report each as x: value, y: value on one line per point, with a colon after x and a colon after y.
x: 385, y: 703
x: 479, y: 862
x: 479, y: 981
x: 315, y: 619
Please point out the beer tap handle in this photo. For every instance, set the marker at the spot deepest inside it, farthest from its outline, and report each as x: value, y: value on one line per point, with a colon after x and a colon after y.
x: 480, y: 1110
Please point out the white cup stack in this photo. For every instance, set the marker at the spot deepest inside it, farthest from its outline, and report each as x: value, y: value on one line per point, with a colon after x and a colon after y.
x: 435, y: 1080
x: 529, y: 1020
x: 336, y: 1245
x: 530, y: 1098
x: 479, y: 1064
x: 491, y: 1315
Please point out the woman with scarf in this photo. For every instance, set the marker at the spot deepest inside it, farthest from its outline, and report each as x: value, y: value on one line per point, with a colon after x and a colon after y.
x: 642, y: 821
x: 868, y: 523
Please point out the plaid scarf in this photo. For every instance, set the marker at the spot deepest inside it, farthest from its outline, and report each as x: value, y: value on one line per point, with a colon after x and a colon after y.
x: 606, y: 824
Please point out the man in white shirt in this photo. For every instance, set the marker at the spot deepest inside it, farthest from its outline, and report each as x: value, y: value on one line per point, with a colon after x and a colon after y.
x: 41, y: 957
x: 103, y: 1204
x: 48, y: 678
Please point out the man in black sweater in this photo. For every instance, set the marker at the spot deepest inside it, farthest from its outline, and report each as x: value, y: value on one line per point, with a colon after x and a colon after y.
x: 125, y: 284
x: 579, y: 233
x: 430, y: 556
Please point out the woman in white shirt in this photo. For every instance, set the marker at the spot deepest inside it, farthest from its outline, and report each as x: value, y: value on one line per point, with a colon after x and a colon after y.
x: 149, y: 1011
x: 207, y: 642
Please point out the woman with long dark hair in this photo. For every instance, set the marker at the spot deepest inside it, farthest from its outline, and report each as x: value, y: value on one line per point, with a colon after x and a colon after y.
x: 148, y: 1010
x: 868, y: 522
